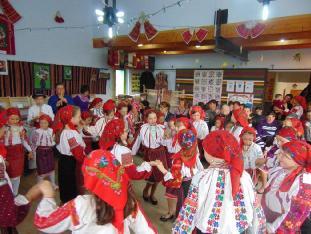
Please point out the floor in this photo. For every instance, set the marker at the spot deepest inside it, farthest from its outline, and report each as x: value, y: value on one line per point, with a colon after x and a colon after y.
x: 153, y: 212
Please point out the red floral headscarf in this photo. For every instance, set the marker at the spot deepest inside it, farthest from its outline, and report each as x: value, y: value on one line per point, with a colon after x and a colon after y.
x: 222, y: 120
x: 222, y: 144
x: 3, y: 120
x: 300, y: 152
x: 111, y: 133
x: 13, y: 111
x: 298, y: 126
x: 105, y: 177
x: 199, y: 109
x: 46, y: 118
x: 109, y: 105
x: 147, y: 112
x: 302, y: 101
x: 85, y: 115
x: 188, y: 142
x: 63, y: 117
x: 247, y: 130
x: 241, y: 117
x: 95, y: 102
x: 287, y: 132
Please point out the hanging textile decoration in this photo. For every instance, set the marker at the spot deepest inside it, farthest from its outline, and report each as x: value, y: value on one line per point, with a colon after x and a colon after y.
x: 7, y: 39
x: 250, y: 29
x: 150, y: 30
x: 200, y: 34
x: 58, y: 18
x: 9, y: 11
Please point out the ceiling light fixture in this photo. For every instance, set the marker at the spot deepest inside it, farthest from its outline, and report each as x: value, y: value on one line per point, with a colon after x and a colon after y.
x: 164, y: 51
x: 265, y: 9
x: 140, y: 45
x: 282, y: 40
x: 197, y: 46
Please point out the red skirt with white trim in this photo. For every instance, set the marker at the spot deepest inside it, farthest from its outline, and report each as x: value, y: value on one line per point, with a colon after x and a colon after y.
x: 15, y: 158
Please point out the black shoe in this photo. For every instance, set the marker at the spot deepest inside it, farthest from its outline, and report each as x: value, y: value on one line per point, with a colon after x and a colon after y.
x: 163, y: 218
x: 153, y: 202
x: 146, y: 199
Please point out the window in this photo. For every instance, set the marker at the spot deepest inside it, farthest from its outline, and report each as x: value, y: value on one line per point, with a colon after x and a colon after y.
x: 120, y: 82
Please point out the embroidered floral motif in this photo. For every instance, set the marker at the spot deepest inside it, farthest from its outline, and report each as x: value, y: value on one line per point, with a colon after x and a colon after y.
x: 116, y: 162
x: 213, y: 221
x: 103, y: 162
x: 240, y: 211
x: 184, y: 221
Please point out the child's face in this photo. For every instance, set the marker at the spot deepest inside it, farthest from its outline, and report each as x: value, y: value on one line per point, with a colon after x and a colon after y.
x: 152, y: 119
x: 171, y: 124
x: 13, y: 120
x: 180, y: 126
x: 217, y: 123
x: 196, y: 116
x: 110, y: 116
x: 228, y: 127
x: 161, y: 120
x: 44, y: 124
x: 247, y: 139
x: 236, y: 107
x: 76, y: 118
x: 88, y: 121
x: 259, y: 112
x: 39, y: 101
x: 286, y: 160
x: 123, y: 111
x: 270, y: 118
x: 212, y: 106
x: 287, y: 123
x: 163, y: 109
x: 279, y: 97
x: 99, y: 105
x: 309, y: 116
x: 247, y: 111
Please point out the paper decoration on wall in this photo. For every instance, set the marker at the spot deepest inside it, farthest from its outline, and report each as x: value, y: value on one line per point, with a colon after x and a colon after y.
x: 7, y: 39
x: 9, y: 11
x: 249, y: 86
x: 200, y: 34
x: 224, y: 64
x: 230, y: 85
x: 149, y: 29
x: 161, y: 81
x: 243, y: 98
x: 4, y: 67
x: 135, y: 82
x: 250, y: 29
x: 207, y: 85
x: 67, y: 73
x: 297, y: 57
x: 239, y: 86
x: 58, y: 18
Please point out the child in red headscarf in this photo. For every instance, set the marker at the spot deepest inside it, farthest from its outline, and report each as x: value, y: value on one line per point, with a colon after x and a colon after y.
x: 221, y: 198
x: 286, y: 200
x: 110, y: 206
x: 240, y: 120
x: 70, y: 146
x: 15, y: 141
x: 299, y: 106
x: 186, y: 163
x: 96, y: 108
x: 253, y: 158
x: 219, y: 123
x: 150, y: 138
x: 197, y: 115
x: 42, y: 143
x: 86, y: 121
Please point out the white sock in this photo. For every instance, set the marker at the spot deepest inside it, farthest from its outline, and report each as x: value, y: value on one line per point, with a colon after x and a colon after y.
x: 15, y: 185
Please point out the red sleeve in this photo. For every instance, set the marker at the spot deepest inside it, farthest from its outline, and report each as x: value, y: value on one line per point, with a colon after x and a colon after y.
x: 76, y: 149
x: 133, y: 174
x: 176, y: 173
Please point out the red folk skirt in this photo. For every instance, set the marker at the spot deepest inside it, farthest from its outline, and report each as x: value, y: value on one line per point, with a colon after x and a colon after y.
x: 10, y: 213
x: 152, y: 155
x: 15, y: 158
x: 45, y: 160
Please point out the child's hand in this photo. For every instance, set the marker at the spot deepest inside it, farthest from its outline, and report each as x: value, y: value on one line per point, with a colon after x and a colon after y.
x: 46, y: 189
x: 30, y: 156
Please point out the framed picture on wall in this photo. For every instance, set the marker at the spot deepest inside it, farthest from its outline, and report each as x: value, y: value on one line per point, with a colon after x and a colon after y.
x: 4, y: 67
x: 41, y: 76
x: 67, y: 73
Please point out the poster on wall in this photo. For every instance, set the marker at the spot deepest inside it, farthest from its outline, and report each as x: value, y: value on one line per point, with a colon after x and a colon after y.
x: 67, y: 73
x: 207, y: 85
x: 239, y: 86
x: 249, y: 87
x: 230, y: 85
x: 7, y: 38
x: 135, y: 82
x: 243, y: 98
x: 4, y: 67
x: 41, y: 76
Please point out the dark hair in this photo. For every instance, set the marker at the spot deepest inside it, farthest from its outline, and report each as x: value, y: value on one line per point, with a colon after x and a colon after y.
x: 105, y: 212
x: 277, y: 95
x: 145, y: 103
x: 243, y: 105
x: 289, y: 95
x: 84, y: 88
x: 237, y: 103
x: 201, y: 104
x: 258, y: 108
x: 213, y: 101
x: 59, y: 84
x: 230, y: 103
x: 165, y: 105
x: 272, y: 113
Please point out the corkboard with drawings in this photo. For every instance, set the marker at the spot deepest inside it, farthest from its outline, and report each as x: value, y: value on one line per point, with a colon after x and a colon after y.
x: 185, y: 79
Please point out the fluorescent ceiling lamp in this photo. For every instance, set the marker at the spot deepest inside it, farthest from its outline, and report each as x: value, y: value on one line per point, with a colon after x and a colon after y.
x: 265, y: 12
x: 120, y: 14
x: 99, y: 12
x: 110, y: 32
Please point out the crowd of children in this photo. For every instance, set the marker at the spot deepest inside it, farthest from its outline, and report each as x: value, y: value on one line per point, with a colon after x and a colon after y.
x: 225, y: 170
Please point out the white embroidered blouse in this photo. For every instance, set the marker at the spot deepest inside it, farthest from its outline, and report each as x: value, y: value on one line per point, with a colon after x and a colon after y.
x: 69, y: 139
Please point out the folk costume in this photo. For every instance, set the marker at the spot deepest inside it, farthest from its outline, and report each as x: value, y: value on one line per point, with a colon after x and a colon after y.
x: 287, y: 199
x: 86, y: 135
x: 105, y: 179
x: 241, y: 122
x: 221, y: 199
x: 71, y: 149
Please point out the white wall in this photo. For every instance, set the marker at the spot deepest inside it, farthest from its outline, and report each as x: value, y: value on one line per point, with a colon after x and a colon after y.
x: 201, y: 12
x: 285, y: 80
x: 69, y: 47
